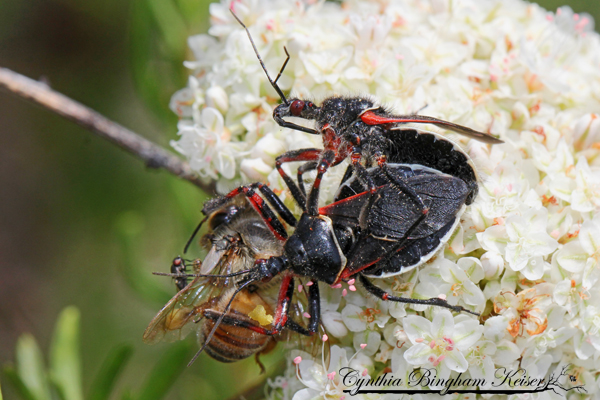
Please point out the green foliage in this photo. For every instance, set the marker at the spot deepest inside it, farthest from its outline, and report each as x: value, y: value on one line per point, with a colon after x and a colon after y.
x: 159, y: 31
x: 31, y: 380
x: 65, y: 366
x: 165, y: 372
x: 128, y: 228
x: 110, y: 370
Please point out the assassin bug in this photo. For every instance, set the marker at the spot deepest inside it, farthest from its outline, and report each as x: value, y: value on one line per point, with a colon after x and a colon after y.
x: 361, y: 234
x: 353, y: 127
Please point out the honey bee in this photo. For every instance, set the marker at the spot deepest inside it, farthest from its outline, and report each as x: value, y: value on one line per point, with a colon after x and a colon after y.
x: 228, y: 316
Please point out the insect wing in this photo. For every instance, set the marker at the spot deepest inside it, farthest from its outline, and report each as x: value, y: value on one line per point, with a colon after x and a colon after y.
x: 176, y: 318
x: 384, y: 226
x: 372, y: 118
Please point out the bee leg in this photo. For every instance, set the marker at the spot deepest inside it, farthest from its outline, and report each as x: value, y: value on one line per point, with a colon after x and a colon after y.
x: 268, y: 348
x: 293, y: 156
x: 260, y: 364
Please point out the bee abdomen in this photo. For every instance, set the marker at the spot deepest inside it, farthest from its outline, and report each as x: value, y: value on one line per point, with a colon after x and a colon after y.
x: 232, y: 343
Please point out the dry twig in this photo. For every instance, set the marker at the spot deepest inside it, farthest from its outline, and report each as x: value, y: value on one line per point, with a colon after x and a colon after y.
x: 154, y: 156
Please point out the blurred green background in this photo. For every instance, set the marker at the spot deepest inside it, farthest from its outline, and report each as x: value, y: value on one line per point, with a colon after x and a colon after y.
x: 83, y: 223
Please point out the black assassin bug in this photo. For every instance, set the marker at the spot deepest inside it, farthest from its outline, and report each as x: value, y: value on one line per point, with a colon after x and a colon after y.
x: 362, y: 234
x: 352, y: 127
x: 384, y: 221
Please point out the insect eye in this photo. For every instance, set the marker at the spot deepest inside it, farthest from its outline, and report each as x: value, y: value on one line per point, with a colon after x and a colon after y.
x: 222, y: 217
x: 297, y: 107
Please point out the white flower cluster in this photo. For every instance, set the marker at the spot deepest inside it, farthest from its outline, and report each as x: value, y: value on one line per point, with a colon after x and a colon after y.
x: 527, y: 253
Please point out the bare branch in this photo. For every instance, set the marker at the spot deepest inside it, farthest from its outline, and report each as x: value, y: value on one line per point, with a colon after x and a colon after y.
x: 151, y: 154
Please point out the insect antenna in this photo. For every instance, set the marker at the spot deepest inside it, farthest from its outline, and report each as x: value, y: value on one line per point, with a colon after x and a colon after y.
x: 262, y: 64
x: 283, y: 66
x: 202, y: 275
x: 187, y: 245
x: 221, y: 317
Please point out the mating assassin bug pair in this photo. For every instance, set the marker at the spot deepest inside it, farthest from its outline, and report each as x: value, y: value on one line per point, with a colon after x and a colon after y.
x: 385, y: 219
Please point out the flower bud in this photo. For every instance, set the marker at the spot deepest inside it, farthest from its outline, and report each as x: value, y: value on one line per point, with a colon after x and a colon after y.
x: 217, y: 98
x: 255, y: 169
x: 493, y: 264
x: 267, y: 148
x: 332, y: 321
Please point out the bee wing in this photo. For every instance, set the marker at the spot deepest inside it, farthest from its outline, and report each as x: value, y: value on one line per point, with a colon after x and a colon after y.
x: 176, y: 318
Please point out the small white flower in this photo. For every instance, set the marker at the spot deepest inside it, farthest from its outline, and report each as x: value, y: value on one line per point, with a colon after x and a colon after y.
x: 583, y: 255
x: 524, y: 311
x: 493, y: 264
x: 323, y: 380
x: 481, y: 363
x: 457, y: 281
x: 441, y: 343
x: 586, y: 195
x: 524, y: 242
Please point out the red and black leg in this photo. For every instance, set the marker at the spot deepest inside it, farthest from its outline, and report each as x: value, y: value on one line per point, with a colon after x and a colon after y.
x: 294, y: 156
x: 383, y: 295
x: 284, y: 301
x: 281, y: 311
x: 327, y: 159
x: 309, y: 166
x: 314, y: 310
x: 260, y: 206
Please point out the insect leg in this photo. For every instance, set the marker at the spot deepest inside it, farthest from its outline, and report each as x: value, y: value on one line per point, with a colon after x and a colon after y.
x: 309, y: 166
x: 327, y: 160
x: 399, y: 182
x: 383, y: 295
x: 277, y: 204
x: 283, y: 304
x: 281, y: 313
x: 292, y: 156
x: 214, y: 329
x: 314, y: 308
x: 260, y: 206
